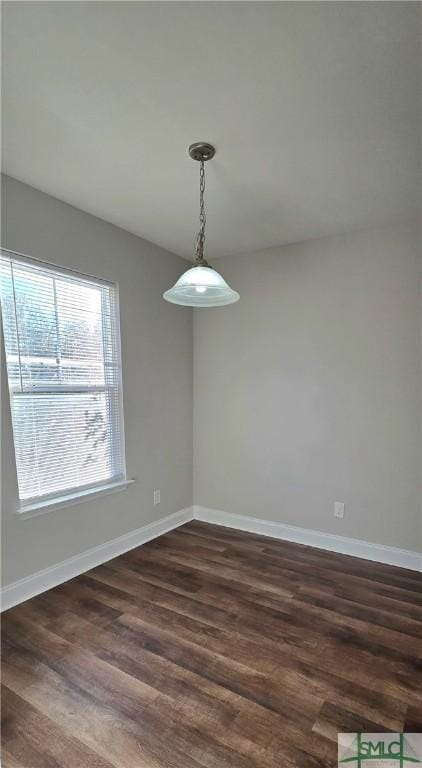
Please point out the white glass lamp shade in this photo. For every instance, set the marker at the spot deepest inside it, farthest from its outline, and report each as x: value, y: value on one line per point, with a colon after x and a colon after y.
x: 201, y: 287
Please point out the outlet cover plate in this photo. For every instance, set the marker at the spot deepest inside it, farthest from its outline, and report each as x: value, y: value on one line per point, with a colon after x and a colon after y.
x: 339, y: 509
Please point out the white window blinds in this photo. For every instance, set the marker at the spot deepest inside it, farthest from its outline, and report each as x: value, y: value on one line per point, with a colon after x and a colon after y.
x: 62, y: 341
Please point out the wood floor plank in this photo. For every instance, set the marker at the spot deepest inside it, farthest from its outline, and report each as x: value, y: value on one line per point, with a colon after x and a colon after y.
x: 413, y: 719
x: 211, y: 648
x: 218, y: 591
x: 35, y: 741
x: 263, y: 581
x: 375, y: 616
x: 112, y: 735
x: 332, y: 562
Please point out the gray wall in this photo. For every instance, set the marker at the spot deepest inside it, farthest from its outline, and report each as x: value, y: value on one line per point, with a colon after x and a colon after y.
x: 157, y: 381
x: 308, y: 391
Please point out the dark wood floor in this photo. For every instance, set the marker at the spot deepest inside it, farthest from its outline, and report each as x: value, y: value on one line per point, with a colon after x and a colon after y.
x: 210, y: 648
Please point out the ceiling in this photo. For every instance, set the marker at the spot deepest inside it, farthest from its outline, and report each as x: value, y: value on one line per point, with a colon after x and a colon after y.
x: 313, y: 108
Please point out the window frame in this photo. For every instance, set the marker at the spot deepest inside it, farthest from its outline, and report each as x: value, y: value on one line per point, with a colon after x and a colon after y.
x: 30, y: 506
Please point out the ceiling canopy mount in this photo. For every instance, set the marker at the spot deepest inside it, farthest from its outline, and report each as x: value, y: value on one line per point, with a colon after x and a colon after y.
x: 201, y: 150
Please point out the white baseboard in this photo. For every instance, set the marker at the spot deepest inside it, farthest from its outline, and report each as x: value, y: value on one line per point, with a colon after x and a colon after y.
x: 377, y: 552
x: 41, y: 581
x: 38, y: 582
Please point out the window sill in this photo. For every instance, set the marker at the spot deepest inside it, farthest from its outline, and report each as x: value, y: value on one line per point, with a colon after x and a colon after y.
x: 67, y: 500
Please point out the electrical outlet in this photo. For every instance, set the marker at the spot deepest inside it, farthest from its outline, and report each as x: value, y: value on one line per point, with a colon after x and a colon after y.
x: 339, y: 509
x: 157, y: 497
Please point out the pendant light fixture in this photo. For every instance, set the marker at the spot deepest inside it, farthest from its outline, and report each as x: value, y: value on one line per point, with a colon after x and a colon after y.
x: 201, y: 286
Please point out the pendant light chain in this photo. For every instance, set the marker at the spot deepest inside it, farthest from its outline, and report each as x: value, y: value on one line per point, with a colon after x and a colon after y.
x: 201, y: 285
x: 200, y: 240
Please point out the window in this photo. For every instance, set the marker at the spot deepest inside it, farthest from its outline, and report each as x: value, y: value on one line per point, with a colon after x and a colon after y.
x: 61, y: 334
